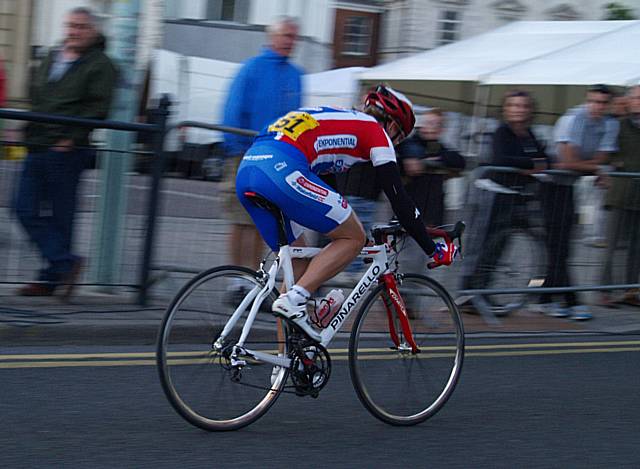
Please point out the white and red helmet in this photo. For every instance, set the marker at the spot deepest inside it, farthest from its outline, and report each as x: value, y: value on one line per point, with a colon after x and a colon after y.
x: 392, y: 104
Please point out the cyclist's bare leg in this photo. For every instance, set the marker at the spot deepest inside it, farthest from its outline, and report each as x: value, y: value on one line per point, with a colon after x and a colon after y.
x: 299, y: 267
x: 245, y: 245
x: 347, y: 241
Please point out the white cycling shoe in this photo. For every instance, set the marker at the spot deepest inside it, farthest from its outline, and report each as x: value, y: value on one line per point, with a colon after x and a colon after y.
x: 295, y: 313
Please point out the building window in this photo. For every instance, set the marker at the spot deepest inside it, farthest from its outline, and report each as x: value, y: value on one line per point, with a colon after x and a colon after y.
x: 357, y: 35
x: 448, y: 26
x: 228, y: 10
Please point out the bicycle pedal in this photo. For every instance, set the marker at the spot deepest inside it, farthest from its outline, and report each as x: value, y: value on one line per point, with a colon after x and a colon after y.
x: 238, y: 363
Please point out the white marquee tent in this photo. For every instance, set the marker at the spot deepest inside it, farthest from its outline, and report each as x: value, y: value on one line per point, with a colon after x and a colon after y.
x: 554, y: 59
x: 610, y: 58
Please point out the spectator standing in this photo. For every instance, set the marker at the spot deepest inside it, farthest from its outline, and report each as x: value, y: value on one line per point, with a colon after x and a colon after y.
x: 76, y: 79
x: 362, y: 189
x: 503, y: 204
x: 3, y: 98
x: 426, y: 163
x: 597, y: 234
x: 266, y: 87
x: 585, y: 137
x: 620, y: 106
x: 623, y: 199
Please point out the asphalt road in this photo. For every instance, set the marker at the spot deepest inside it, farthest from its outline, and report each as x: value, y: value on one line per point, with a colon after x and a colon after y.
x: 532, y: 403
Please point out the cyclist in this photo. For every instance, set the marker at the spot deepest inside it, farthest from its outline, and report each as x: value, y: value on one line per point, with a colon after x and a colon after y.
x: 283, y: 165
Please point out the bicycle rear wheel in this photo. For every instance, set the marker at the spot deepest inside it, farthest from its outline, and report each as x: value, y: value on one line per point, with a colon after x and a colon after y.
x: 397, y: 386
x: 196, y: 379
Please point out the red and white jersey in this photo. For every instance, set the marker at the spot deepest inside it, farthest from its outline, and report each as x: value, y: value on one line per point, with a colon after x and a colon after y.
x: 333, y: 139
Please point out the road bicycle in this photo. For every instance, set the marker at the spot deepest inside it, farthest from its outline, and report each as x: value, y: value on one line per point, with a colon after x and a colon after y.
x: 223, y: 360
x: 513, y: 255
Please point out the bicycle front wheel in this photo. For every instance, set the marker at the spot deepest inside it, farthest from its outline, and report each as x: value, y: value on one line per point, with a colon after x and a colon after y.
x: 197, y: 379
x: 396, y: 385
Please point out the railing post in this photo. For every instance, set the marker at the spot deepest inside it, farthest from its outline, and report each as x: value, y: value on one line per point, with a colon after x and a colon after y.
x: 159, y: 116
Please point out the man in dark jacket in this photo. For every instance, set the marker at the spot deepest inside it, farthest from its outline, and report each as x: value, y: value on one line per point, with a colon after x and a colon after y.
x: 426, y: 163
x: 75, y: 80
x: 623, y: 199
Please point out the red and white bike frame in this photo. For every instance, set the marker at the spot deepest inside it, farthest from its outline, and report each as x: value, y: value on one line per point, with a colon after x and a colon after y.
x: 378, y: 271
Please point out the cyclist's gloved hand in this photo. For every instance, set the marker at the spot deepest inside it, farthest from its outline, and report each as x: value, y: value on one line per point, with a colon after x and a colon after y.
x: 444, y: 254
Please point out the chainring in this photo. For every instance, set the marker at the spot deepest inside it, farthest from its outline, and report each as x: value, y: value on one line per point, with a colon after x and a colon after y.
x: 310, y: 367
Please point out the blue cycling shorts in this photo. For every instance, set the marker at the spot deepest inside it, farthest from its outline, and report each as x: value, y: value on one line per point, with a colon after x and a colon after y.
x: 280, y: 173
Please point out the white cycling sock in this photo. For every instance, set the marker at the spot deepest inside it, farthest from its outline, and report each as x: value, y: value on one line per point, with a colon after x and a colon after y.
x: 298, y: 295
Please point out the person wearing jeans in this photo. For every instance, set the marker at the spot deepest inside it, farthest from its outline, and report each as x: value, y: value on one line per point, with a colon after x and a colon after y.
x: 45, y: 205
x: 78, y: 80
x: 503, y: 204
x: 585, y: 137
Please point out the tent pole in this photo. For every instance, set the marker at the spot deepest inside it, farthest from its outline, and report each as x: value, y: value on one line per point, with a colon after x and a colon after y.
x: 479, y: 105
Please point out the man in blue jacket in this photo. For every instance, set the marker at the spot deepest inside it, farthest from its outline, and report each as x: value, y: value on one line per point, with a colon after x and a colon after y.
x: 266, y: 87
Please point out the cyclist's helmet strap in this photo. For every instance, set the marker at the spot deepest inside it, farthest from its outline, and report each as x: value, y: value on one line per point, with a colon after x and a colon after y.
x: 393, y: 105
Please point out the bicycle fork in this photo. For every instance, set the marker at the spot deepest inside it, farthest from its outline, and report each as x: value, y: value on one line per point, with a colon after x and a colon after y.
x: 394, y: 303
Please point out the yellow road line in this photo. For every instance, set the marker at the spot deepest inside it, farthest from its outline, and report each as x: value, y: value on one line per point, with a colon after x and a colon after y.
x: 386, y: 356
x: 510, y: 346
x: 64, y: 364
x: 128, y: 355
x: 552, y: 352
x: 553, y: 344
x: 80, y: 356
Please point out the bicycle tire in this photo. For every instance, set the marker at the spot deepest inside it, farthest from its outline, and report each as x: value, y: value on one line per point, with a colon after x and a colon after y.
x: 192, y: 322
x: 379, y: 372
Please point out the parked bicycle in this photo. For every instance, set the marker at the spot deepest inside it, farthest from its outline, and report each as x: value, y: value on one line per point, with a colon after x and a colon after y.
x: 513, y: 253
x: 222, y: 365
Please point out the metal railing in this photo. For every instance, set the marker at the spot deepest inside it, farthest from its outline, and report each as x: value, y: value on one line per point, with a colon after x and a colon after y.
x: 521, y: 278
x: 157, y: 129
x: 185, y: 229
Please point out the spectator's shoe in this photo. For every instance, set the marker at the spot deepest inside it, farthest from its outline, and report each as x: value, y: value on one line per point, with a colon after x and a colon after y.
x: 631, y: 298
x: 580, y: 313
x: 296, y: 314
x: 554, y: 310
x: 36, y: 289
x: 70, y: 279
